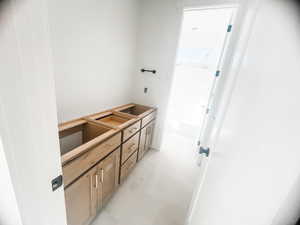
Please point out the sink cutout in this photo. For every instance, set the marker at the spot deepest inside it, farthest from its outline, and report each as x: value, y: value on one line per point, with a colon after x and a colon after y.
x: 113, y: 120
x: 74, y: 137
x: 136, y: 110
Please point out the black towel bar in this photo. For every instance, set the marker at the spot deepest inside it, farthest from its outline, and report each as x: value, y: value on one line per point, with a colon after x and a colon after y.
x: 149, y: 71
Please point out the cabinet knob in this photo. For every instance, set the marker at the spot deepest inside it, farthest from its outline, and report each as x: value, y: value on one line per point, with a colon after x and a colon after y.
x: 131, y: 146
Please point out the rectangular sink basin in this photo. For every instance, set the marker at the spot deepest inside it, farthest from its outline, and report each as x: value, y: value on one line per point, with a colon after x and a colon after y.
x: 76, y: 136
x: 113, y: 120
x: 136, y: 110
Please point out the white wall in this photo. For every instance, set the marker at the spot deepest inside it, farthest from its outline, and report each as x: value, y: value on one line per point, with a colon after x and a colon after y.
x: 253, y: 175
x: 94, y: 52
x: 289, y: 210
x: 158, y: 34
x: 28, y: 122
x: 9, y: 210
x: 100, y: 47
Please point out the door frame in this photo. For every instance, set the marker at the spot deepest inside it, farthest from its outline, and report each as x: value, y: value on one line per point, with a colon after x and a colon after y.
x: 184, y: 9
x: 233, y: 58
x: 204, y: 161
x: 219, y: 6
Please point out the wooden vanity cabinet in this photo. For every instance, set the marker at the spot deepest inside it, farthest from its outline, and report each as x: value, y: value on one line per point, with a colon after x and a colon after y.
x: 127, y: 167
x: 98, y: 152
x: 81, y: 164
x: 130, y: 131
x: 87, y: 195
x: 142, y: 143
x: 108, y: 174
x: 145, y: 139
x: 149, y: 136
x: 129, y: 147
x: 81, y: 199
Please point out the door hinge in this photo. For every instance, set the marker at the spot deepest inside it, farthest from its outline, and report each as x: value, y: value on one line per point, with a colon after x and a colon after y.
x: 218, y: 72
x: 57, y: 182
x: 205, y: 151
x: 207, y: 111
x: 229, y: 28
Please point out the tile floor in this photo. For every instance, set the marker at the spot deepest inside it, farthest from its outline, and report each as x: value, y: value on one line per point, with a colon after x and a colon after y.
x: 159, y: 189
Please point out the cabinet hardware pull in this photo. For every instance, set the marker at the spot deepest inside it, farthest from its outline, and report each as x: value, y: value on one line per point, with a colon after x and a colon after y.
x: 102, y: 175
x: 86, y: 155
x: 96, y: 181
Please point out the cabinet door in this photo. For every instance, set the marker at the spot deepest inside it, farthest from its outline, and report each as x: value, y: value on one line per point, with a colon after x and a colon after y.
x: 109, y: 170
x: 141, y: 151
x: 149, y: 135
x: 81, y: 199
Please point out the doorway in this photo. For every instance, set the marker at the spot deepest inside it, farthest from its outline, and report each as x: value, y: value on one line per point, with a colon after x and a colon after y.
x: 201, y: 47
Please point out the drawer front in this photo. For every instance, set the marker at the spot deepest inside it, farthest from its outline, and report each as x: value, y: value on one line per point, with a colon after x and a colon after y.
x: 128, y: 132
x: 128, y: 167
x: 78, y: 166
x: 130, y: 147
x: 148, y: 119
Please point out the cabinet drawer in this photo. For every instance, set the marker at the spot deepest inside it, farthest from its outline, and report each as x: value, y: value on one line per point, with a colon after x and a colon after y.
x: 130, y: 147
x: 75, y: 168
x: 148, y: 119
x: 128, y: 132
x: 128, y: 167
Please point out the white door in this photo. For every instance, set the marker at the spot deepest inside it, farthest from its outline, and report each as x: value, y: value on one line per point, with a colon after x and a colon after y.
x: 209, y: 118
x: 256, y: 181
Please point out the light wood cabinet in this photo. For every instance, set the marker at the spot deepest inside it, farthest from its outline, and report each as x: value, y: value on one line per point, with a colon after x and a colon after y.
x: 78, y: 166
x: 127, y: 167
x: 92, y: 161
x: 130, y: 131
x: 81, y: 199
x: 129, y: 147
x: 149, y: 136
x: 87, y: 195
x: 141, y: 151
x: 108, y: 175
x: 148, y: 119
x: 146, y: 139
